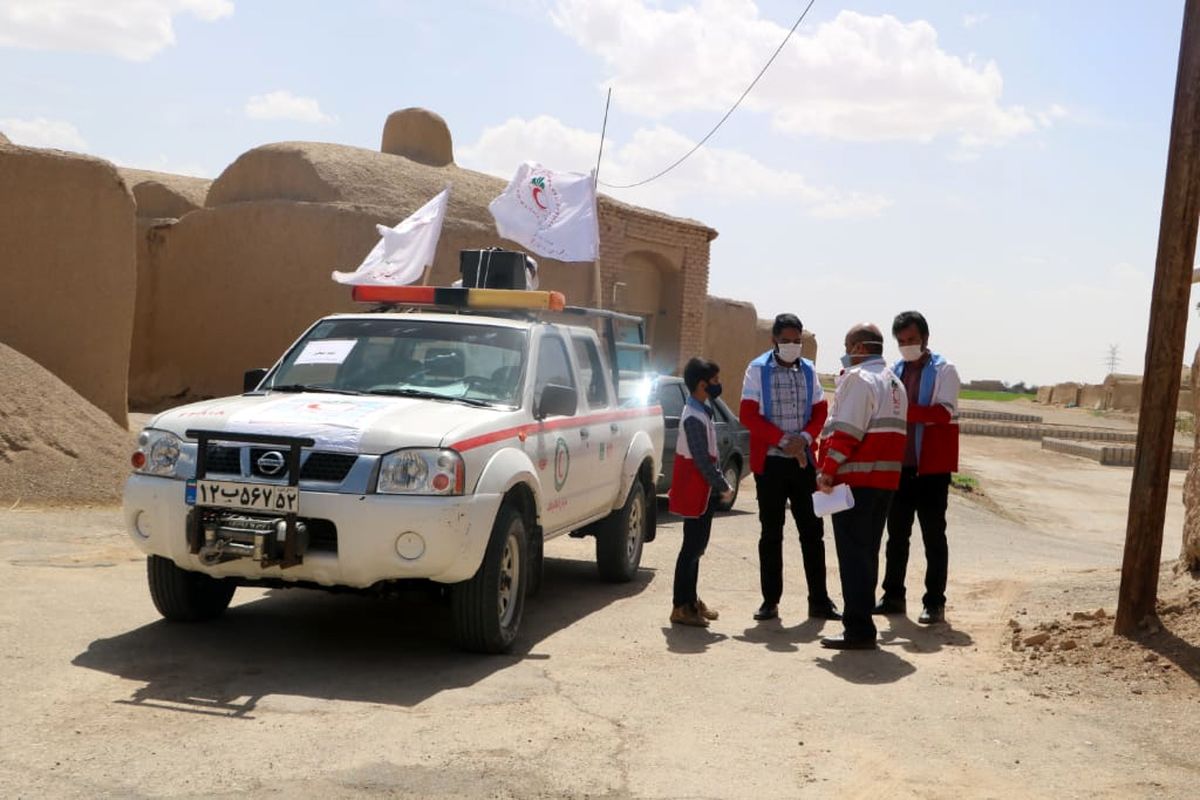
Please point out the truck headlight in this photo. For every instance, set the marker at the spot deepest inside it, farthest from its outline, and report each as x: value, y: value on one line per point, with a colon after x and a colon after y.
x: 158, y: 453
x: 421, y: 471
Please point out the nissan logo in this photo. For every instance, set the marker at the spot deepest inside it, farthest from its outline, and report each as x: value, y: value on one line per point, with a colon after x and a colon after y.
x: 271, y: 463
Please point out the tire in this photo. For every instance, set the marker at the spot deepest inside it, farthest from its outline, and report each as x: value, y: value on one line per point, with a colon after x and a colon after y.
x: 733, y: 474
x: 184, y: 596
x: 620, y: 538
x: 487, y: 609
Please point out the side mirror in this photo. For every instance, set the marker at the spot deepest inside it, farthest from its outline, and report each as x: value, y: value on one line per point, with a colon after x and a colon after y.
x: 557, y: 401
x: 252, y: 379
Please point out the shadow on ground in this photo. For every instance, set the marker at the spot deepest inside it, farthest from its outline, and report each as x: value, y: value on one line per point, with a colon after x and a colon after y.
x: 914, y: 638
x: 867, y: 666
x: 310, y: 643
x: 1174, y: 648
x: 782, y: 639
x: 687, y: 640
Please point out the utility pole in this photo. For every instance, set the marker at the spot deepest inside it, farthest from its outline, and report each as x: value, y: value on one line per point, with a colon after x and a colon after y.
x: 1113, y: 358
x: 1165, y: 340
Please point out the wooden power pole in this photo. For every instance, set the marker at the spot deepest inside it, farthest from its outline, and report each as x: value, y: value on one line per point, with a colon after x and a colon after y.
x: 1169, y: 307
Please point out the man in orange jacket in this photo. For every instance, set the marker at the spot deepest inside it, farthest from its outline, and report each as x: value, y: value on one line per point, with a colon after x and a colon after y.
x: 783, y: 406
x: 863, y: 449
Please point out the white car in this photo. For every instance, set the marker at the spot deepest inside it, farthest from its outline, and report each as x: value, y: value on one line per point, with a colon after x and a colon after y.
x: 400, y: 445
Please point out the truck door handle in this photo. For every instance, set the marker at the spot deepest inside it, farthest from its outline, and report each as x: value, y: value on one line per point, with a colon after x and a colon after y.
x: 583, y: 433
x: 615, y: 428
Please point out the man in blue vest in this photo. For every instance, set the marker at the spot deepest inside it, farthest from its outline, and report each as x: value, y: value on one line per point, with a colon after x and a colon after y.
x: 932, y: 456
x: 783, y: 406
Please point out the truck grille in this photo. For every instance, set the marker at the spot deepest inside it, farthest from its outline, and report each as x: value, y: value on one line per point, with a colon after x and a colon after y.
x: 224, y: 460
x: 319, y: 466
x: 327, y: 467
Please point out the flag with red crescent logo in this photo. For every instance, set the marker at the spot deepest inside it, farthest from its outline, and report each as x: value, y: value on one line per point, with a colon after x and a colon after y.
x: 549, y: 213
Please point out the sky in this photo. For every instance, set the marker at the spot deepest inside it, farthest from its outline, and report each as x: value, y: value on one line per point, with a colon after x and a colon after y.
x: 996, y: 164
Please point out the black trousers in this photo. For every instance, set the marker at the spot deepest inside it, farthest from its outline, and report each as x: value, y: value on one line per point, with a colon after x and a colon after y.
x: 922, y: 496
x: 783, y: 481
x: 696, y: 531
x: 857, y: 533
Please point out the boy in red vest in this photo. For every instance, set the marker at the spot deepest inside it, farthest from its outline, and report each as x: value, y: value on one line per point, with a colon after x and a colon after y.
x: 693, y: 482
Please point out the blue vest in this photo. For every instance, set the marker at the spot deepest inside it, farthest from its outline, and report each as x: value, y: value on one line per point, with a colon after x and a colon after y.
x: 925, y: 395
x: 767, y: 366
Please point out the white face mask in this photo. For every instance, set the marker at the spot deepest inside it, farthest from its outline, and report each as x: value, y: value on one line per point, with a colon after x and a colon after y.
x: 911, y: 352
x: 790, y: 351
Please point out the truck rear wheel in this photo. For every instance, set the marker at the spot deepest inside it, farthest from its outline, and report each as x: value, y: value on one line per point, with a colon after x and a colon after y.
x: 487, y: 609
x: 619, y: 538
x: 184, y: 596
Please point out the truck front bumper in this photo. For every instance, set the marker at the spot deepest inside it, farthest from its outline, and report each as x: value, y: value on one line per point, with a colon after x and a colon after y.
x: 378, y: 537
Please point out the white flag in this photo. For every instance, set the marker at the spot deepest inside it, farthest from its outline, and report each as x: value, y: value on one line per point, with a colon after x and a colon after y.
x: 551, y: 213
x: 403, y: 252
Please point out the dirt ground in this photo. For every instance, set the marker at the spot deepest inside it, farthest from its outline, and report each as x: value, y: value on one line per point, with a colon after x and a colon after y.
x: 305, y: 694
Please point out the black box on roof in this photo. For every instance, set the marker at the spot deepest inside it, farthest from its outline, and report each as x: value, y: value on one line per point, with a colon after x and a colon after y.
x: 492, y: 269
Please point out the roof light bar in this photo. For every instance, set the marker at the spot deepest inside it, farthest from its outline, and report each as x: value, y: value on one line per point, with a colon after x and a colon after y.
x: 456, y: 297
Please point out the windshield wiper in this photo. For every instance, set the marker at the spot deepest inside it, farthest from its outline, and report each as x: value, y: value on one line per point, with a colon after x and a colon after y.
x: 471, y: 401
x: 302, y: 387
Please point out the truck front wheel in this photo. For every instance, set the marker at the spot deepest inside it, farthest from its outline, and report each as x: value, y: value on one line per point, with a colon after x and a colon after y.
x: 487, y: 609
x: 619, y: 538
x: 184, y: 596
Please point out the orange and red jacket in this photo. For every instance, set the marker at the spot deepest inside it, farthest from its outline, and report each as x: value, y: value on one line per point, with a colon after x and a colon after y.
x: 863, y: 445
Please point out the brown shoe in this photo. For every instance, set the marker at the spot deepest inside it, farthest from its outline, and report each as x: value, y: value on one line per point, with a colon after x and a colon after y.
x: 688, y: 615
x: 705, y: 611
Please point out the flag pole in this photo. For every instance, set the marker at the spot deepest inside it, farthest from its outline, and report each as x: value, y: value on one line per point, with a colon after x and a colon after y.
x: 603, y: 129
x: 597, y: 285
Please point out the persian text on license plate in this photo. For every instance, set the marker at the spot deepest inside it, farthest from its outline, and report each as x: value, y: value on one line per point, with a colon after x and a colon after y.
x: 250, y: 496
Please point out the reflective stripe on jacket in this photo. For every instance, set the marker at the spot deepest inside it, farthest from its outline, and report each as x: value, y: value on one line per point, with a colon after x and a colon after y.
x: 863, y: 444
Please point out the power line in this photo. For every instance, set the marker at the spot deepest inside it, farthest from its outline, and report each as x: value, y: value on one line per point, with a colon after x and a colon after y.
x: 720, y: 122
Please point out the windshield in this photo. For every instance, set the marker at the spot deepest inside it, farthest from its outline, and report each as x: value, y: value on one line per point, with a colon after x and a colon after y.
x: 477, y: 364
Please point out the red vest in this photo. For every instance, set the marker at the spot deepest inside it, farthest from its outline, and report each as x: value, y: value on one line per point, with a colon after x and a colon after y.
x: 690, y: 492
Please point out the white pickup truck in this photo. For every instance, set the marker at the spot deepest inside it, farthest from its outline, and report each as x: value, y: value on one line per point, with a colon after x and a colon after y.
x: 402, y: 444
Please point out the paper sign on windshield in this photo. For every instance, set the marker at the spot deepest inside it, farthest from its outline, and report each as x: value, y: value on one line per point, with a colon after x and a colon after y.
x: 326, y: 351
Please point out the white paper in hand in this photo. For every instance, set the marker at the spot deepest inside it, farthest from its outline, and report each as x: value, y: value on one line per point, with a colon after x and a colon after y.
x: 840, y: 499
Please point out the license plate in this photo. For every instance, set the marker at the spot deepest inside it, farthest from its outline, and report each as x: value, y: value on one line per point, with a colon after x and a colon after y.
x: 248, y: 496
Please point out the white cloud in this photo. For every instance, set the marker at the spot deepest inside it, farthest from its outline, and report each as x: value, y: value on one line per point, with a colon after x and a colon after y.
x: 856, y: 77
x: 1051, y: 115
x: 285, y: 105
x: 715, y: 174
x: 131, y: 29
x: 42, y: 132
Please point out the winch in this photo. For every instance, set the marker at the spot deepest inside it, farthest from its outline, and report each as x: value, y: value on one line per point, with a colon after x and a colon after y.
x: 228, y: 536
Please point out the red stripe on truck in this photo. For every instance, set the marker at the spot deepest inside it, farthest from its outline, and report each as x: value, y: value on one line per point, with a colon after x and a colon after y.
x: 554, y: 425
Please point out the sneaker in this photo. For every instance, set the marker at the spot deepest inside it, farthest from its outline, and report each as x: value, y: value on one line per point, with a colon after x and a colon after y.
x: 705, y: 611
x: 688, y: 615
